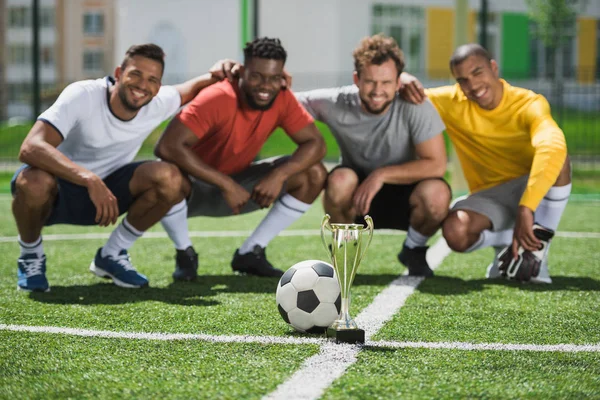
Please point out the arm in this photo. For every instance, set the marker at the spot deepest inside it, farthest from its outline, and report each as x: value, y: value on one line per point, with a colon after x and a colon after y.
x: 411, y: 90
x: 311, y: 149
x: 175, y: 145
x: 431, y: 163
x: 220, y: 70
x: 550, y: 147
x: 39, y: 150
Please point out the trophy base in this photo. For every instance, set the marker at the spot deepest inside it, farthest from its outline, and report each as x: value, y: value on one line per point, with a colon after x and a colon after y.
x: 352, y: 336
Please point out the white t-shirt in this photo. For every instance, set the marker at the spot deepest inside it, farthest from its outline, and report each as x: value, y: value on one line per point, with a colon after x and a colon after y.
x: 94, y: 137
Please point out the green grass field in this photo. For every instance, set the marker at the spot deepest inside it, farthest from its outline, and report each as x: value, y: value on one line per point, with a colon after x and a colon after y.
x: 458, y: 305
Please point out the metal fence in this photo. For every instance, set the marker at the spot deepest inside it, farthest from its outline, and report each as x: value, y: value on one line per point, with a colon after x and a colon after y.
x: 575, y: 107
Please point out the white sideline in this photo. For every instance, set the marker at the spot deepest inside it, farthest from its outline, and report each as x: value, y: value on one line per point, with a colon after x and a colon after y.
x: 289, y: 232
x: 322, y: 369
x: 343, y: 349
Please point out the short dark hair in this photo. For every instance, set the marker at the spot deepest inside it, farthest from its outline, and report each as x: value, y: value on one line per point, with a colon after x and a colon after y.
x: 378, y: 49
x: 467, y: 50
x: 265, y: 47
x: 148, y: 50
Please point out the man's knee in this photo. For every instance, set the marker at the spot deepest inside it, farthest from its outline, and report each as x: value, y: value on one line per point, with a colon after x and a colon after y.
x: 316, y: 175
x: 455, y: 231
x: 341, y: 184
x: 168, y: 182
x: 35, y: 186
x: 431, y: 199
x: 564, y: 178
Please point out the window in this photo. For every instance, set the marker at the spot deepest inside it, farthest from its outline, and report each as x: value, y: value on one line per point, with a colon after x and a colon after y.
x: 19, y: 92
x: 19, y: 17
x: 19, y: 54
x: 47, y: 56
x: 543, y: 58
x: 46, y: 17
x: 93, y: 23
x: 93, y: 60
x: 406, y: 24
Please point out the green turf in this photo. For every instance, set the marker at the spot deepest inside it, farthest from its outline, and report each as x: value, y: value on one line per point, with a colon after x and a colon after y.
x: 457, y: 305
x: 454, y: 374
x: 61, y: 367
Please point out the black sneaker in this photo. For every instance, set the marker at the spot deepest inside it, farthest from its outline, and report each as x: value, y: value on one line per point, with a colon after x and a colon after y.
x: 414, y: 260
x: 186, y: 265
x: 254, y: 263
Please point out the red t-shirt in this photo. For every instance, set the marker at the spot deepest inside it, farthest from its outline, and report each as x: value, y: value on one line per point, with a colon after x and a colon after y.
x: 230, y: 133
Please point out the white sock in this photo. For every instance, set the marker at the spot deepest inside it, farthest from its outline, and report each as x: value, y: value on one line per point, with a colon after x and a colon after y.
x: 552, y: 206
x: 415, y: 238
x: 37, y: 247
x: 490, y: 238
x: 122, y: 238
x: 284, y: 212
x: 175, y: 223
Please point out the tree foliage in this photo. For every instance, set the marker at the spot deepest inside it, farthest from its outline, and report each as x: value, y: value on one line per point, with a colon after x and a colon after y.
x: 554, y: 18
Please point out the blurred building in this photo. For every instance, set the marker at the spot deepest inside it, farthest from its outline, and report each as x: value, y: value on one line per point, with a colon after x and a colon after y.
x: 76, y: 42
x: 87, y: 38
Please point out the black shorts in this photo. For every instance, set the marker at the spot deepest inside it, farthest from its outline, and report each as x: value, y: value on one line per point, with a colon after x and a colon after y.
x: 390, y: 208
x: 73, y: 205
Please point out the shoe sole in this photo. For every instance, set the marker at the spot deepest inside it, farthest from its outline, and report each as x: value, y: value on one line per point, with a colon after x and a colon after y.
x: 103, y: 274
x: 246, y: 272
x: 22, y: 289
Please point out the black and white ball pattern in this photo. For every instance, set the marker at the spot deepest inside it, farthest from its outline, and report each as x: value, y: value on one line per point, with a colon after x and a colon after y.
x: 308, y: 296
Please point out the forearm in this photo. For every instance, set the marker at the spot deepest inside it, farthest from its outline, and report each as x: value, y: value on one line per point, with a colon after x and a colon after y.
x: 412, y: 171
x: 549, y: 158
x: 306, y: 154
x: 189, y: 162
x: 189, y: 89
x: 46, y: 157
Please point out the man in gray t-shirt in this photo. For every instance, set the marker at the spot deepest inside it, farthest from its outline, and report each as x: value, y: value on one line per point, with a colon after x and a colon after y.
x: 392, y: 152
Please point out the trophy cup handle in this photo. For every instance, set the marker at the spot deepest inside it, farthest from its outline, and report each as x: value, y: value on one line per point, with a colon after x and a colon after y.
x: 325, y: 224
x: 369, y: 222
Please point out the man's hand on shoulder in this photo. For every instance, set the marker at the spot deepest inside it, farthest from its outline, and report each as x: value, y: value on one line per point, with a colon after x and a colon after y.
x: 411, y: 90
x: 226, y: 68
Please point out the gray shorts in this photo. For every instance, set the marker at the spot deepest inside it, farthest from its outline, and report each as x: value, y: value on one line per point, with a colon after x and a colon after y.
x: 207, y: 200
x: 498, y: 203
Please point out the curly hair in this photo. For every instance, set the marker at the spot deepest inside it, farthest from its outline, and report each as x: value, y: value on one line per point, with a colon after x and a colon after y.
x: 265, y: 47
x: 148, y: 50
x: 377, y: 49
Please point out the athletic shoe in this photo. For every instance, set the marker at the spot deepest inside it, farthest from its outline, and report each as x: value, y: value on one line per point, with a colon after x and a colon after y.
x: 414, y: 259
x: 31, y: 273
x: 186, y: 265
x: 254, y: 263
x: 119, y: 269
x: 493, y: 272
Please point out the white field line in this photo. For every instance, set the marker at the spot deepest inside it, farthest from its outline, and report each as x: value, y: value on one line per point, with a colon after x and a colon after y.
x: 322, y: 369
x: 343, y: 349
x: 214, y: 234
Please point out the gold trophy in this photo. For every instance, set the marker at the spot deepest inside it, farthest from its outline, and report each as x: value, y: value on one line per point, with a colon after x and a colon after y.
x: 347, y: 248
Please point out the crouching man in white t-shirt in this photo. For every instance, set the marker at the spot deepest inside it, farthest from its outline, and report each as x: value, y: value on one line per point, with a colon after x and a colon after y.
x: 78, y: 166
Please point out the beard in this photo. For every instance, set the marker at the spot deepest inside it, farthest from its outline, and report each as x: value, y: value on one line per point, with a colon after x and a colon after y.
x: 254, y: 105
x: 377, y: 111
x: 126, y: 103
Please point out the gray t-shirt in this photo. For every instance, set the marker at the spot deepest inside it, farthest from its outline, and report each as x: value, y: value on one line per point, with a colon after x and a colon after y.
x: 369, y: 141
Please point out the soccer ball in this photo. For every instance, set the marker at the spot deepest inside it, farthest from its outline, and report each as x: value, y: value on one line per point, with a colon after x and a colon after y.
x: 308, y: 296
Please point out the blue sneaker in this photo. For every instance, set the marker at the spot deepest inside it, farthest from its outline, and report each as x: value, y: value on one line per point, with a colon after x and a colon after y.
x: 31, y: 273
x: 119, y: 269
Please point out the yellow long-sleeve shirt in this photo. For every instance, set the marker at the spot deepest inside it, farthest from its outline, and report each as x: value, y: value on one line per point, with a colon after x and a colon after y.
x: 517, y: 137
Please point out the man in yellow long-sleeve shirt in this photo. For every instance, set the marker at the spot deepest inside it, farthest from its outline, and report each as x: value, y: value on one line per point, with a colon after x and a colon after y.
x: 513, y: 155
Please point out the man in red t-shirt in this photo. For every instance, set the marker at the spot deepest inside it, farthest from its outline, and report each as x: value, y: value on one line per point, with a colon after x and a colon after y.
x: 215, y: 141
